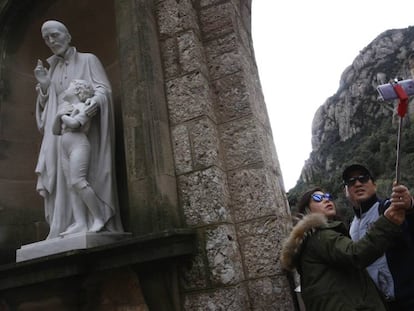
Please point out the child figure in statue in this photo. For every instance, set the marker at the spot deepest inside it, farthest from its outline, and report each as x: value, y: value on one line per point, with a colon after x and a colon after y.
x: 72, y: 122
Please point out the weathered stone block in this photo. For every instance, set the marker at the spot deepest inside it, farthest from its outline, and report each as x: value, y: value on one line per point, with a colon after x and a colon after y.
x: 246, y: 16
x: 205, y: 143
x: 175, y: 16
x: 218, y: 20
x: 225, y: 64
x: 189, y: 97
x: 169, y: 53
x: 223, y: 255
x: 167, y: 16
x: 252, y: 193
x: 233, y: 97
x: 190, y: 52
x: 221, y: 45
x: 244, y: 31
x: 260, y: 243
x: 236, y: 3
x: 195, y: 274
x: 223, y: 299
x: 196, y: 146
x: 271, y: 294
x: 258, y: 104
x: 243, y: 142
x: 204, y: 197
x: 182, y: 149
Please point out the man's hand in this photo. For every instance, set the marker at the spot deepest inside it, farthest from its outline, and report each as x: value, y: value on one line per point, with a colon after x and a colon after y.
x: 91, y: 107
x: 42, y: 76
x: 401, y: 196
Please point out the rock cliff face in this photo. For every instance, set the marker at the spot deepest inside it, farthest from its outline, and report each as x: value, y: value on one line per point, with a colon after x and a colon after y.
x: 354, y: 125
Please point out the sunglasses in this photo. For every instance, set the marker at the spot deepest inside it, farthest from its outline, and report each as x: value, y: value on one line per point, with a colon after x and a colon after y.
x: 319, y: 197
x: 361, y: 178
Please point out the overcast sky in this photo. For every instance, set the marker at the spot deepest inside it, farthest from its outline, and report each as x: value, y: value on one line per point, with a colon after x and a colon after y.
x: 302, y: 47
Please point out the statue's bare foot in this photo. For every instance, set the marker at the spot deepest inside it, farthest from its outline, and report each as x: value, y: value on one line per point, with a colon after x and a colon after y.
x: 74, y: 229
x: 97, y: 226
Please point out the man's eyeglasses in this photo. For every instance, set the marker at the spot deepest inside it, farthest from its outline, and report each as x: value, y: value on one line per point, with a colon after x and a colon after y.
x: 361, y: 178
x: 319, y: 197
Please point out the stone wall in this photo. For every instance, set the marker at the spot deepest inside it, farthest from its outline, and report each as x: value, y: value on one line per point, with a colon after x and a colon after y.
x: 229, y: 180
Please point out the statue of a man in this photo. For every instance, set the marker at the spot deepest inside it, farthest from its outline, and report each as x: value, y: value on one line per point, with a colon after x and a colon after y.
x: 59, y: 193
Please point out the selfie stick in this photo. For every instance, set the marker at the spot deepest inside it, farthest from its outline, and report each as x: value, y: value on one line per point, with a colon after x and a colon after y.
x: 401, y: 110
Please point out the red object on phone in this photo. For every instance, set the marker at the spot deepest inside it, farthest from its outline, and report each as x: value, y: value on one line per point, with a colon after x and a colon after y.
x: 402, y: 95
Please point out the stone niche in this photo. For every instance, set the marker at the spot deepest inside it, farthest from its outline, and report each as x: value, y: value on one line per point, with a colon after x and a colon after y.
x: 20, y: 138
x: 105, y: 277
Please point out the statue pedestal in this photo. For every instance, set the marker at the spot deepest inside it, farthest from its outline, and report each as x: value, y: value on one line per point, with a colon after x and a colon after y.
x: 70, y: 242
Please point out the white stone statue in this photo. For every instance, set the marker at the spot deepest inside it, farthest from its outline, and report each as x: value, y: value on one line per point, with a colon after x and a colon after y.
x: 76, y: 174
x: 72, y: 122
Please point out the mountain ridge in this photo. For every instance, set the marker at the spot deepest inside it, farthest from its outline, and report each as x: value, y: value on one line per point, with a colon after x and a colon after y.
x: 355, y: 126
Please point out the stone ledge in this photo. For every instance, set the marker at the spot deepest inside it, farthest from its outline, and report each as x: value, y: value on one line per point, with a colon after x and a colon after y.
x: 166, y: 245
x: 70, y: 242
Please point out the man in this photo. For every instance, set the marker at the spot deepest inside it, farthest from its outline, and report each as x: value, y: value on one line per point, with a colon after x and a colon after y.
x: 65, y: 65
x: 393, y: 273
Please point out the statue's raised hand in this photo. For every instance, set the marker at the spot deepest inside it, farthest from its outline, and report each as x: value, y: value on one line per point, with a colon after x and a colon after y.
x: 42, y: 75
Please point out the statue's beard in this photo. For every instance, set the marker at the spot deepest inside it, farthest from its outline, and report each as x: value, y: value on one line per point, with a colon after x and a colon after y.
x: 59, y: 49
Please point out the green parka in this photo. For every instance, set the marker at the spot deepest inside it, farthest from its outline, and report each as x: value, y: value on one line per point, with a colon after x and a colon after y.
x: 332, y: 266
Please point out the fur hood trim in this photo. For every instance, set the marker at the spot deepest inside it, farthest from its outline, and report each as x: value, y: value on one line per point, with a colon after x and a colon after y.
x: 291, y: 246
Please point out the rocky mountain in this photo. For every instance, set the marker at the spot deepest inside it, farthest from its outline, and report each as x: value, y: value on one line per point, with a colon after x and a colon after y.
x: 355, y: 125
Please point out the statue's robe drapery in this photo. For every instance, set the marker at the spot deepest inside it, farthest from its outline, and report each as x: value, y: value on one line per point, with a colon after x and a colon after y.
x: 51, y: 183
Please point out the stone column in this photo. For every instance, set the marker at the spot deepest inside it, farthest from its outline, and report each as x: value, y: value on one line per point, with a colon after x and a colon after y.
x: 229, y: 180
x: 150, y: 172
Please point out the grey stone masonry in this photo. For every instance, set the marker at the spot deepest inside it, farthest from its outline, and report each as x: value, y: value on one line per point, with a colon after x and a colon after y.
x: 228, y: 176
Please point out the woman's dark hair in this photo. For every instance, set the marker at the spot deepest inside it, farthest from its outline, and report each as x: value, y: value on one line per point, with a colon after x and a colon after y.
x: 305, y: 199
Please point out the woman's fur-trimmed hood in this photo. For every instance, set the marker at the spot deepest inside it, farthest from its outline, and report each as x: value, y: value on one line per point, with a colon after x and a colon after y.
x: 292, y: 245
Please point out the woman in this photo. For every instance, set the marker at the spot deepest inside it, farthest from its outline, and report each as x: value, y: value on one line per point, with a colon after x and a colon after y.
x: 332, y: 266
